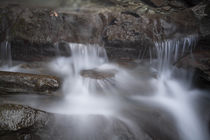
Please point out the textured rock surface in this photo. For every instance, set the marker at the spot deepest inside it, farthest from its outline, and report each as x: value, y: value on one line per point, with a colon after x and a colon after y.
x: 129, y: 25
x: 34, y: 32
x: 17, y: 117
x: 23, y: 82
x: 98, y: 74
x: 198, y: 60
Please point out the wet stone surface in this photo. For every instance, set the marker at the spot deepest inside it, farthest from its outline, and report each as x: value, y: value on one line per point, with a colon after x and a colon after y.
x: 98, y: 74
x: 17, y: 117
x: 14, y: 82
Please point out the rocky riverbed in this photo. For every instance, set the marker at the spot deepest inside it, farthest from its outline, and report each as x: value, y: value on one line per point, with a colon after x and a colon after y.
x: 37, y: 53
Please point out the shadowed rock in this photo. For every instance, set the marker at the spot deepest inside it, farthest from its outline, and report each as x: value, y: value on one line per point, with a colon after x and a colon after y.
x: 23, y: 82
x: 199, y: 62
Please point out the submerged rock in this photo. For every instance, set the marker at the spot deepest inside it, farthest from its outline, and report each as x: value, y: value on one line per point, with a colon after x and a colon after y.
x: 98, y: 74
x: 11, y: 82
x: 16, y: 117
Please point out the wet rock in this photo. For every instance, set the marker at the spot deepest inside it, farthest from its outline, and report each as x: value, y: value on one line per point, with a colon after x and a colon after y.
x: 16, y: 117
x: 34, y: 32
x: 125, y: 27
x: 166, y: 8
x: 28, y: 51
x: 126, y: 63
x: 159, y: 3
x: 202, y: 12
x: 193, y: 2
x: 13, y: 82
x: 98, y: 74
x: 198, y: 60
x: 134, y: 34
x: 177, y: 4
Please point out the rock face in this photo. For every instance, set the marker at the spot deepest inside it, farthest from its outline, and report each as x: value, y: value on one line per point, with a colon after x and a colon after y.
x: 199, y: 61
x: 132, y: 33
x: 35, y: 32
x: 17, y: 117
x: 123, y: 27
x: 22, y: 82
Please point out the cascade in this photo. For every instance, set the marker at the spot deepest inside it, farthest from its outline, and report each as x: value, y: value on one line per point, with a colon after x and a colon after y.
x: 5, y: 55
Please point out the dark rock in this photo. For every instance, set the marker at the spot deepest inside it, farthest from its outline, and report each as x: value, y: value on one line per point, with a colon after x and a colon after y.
x: 126, y: 63
x: 159, y: 3
x: 23, y: 82
x: 34, y: 32
x: 198, y: 60
x: 125, y: 30
x: 166, y: 8
x: 133, y: 34
x: 177, y: 4
x: 17, y: 117
x: 193, y: 2
x: 31, y: 51
x: 98, y: 74
x: 202, y: 12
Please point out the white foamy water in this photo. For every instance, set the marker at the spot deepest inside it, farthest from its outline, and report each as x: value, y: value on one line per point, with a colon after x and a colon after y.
x: 5, y: 54
x: 174, y: 94
x: 132, y: 95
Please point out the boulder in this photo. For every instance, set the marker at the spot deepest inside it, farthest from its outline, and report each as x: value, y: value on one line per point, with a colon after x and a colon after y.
x: 126, y: 28
x: 16, y: 117
x: 14, y: 82
x: 129, y: 34
x: 37, y: 33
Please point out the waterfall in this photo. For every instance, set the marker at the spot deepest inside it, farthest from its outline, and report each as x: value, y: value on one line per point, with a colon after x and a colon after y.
x: 169, y: 51
x: 5, y: 54
x: 168, y: 92
x: 175, y: 94
x: 128, y: 95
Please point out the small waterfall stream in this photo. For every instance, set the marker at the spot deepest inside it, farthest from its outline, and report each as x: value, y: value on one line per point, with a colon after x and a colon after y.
x: 166, y: 91
x: 130, y: 96
x: 5, y: 54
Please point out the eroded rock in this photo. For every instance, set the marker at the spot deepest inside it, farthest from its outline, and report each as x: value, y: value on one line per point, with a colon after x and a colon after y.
x: 27, y: 83
x: 98, y: 74
x: 16, y: 117
x: 131, y: 34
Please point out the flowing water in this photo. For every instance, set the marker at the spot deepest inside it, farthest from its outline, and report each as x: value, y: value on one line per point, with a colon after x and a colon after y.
x: 152, y: 100
x: 5, y: 55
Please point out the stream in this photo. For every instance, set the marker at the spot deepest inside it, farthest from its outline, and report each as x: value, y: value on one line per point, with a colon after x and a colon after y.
x: 152, y: 100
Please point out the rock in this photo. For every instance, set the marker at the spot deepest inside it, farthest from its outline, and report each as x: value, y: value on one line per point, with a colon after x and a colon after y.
x: 11, y: 82
x: 166, y: 8
x: 125, y: 30
x: 133, y: 33
x: 98, y: 74
x: 18, y: 122
x: 159, y: 3
x: 193, y: 2
x: 28, y: 51
x: 198, y: 60
x: 202, y: 12
x: 126, y: 63
x: 16, y: 117
x: 34, y: 32
x: 177, y: 4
